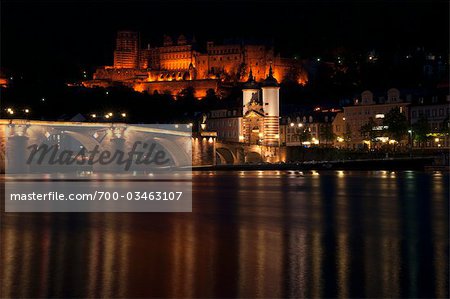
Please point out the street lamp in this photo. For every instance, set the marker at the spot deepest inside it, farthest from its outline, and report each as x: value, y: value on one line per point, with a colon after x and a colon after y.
x: 410, y: 142
x: 26, y: 111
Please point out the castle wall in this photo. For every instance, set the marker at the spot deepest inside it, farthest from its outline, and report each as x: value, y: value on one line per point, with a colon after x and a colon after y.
x: 174, y: 87
x: 122, y: 74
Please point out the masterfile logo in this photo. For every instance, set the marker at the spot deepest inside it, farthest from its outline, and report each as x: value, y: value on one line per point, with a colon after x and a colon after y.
x: 54, y: 156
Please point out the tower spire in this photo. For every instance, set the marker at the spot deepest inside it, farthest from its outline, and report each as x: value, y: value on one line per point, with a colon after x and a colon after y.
x: 270, y: 80
x: 250, y: 76
x: 270, y: 71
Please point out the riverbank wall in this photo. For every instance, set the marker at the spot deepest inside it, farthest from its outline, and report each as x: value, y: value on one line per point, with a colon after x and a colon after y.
x: 362, y: 164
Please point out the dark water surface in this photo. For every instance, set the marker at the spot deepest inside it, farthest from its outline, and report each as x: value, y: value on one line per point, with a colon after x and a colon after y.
x: 251, y: 234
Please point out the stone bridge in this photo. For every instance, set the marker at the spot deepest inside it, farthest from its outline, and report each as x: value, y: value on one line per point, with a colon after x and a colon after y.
x: 202, y: 149
x: 17, y: 135
x: 239, y: 153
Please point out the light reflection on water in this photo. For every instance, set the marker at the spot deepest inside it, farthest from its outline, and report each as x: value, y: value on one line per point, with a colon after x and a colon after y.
x: 251, y: 234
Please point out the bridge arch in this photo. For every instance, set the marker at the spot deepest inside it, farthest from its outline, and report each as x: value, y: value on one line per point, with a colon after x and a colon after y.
x: 226, y: 155
x: 253, y: 157
x: 87, y: 141
x: 40, y: 134
x: 180, y: 157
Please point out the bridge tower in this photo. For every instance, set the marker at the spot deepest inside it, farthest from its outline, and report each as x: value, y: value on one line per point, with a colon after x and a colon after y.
x: 271, y: 104
x: 249, y: 92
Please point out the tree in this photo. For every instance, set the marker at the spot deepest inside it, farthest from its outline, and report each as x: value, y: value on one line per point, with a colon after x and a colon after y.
x: 241, y: 72
x: 421, y: 128
x: 303, y: 135
x: 187, y: 93
x: 367, y: 129
x: 326, y: 133
x: 397, y: 125
x: 347, y: 134
x: 445, y: 128
x: 210, y: 100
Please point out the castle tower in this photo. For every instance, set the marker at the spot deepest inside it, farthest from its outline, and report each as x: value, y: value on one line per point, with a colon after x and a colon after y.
x: 126, y: 54
x: 250, y: 91
x: 271, y: 104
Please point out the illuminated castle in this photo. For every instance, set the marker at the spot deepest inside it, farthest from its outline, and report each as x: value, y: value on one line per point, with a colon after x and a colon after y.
x: 178, y: 64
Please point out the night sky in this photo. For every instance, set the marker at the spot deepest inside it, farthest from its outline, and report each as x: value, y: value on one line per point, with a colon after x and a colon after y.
x: 50, y: 39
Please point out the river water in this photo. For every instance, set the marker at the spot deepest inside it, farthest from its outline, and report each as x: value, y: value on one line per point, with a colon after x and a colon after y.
x: 251, y: 234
